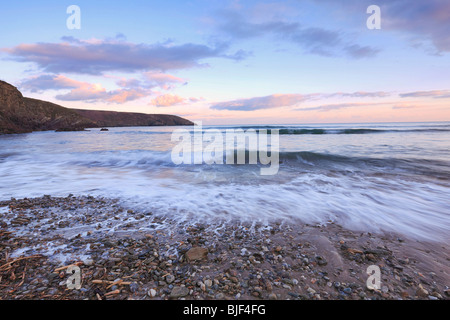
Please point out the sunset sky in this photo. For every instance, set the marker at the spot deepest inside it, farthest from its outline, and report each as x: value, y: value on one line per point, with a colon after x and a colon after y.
x: 235, y: 62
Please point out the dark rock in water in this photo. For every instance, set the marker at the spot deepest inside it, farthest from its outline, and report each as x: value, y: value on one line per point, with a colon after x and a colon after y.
x: 104, y: 129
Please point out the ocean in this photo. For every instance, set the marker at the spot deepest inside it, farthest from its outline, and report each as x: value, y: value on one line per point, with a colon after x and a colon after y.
x: 384, y: 177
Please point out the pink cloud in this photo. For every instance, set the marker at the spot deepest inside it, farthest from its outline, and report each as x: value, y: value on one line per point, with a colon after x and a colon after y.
x: 163, y: 80
x: 84, y: 91
x: 167, y: 100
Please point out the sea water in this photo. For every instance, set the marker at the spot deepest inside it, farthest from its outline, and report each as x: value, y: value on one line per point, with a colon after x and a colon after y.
x: 387, y: 177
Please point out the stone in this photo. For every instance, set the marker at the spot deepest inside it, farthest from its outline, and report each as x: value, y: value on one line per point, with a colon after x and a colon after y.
x: 208, y: 283
x: 152, y: 293
x: 311, y: 290
x: 170, y: 278
x: 421, y: 292
x: 220, y: 296
x: 134, y: 287
x: 273, y: 296
x: 88, y: 262
x: 196, y: 253
x: 178, y: 292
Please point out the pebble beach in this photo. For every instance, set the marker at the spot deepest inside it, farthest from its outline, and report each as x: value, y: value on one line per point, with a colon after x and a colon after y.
x: 124, y: 254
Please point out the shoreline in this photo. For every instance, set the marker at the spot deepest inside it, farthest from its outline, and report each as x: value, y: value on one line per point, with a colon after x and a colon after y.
x: 119, y: 259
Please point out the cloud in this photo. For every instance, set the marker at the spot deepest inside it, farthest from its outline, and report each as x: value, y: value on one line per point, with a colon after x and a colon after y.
x: 48, y: 82
x: 424, y: 21
x: 82, y: 91
x: 194, y: 99
x: 129, y: 89
x: 356, y: 51
x: 315, y: 40
x: 287, y: 100
x: 330, y: 107
x: 98, y: 56
x: 437, y: 94
x: 267, y: 102
x: 357, y: 94
x: 162, y: 80
x: 167, y: 100
x: 402, y: 106
x: 429, y: 19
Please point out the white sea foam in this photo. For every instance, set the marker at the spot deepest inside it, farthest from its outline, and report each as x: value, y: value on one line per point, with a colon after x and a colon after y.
x: 364, y: 184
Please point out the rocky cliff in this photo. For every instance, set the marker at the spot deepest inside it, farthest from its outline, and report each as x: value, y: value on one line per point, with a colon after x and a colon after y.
x: 11, y: 104
x: 130, y: 119
x: 19, y: 115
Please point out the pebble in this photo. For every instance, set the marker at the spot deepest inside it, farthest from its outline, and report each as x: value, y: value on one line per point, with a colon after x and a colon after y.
x: 152, y: 293
x: 273, y: 296
x: 178, y: 292
x: 421, y: 292
x: 347, y: 290
x: 311, y: 290
x: 170, y: 278
x: 196, y: 253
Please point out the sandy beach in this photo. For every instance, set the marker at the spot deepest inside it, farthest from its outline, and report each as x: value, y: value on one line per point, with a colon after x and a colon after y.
x: 141, y: 255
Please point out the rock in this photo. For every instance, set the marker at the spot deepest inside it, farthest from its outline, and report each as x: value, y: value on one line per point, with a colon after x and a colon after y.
x: 311, y: 290
x: 321, y: 261
x: 220, y: 296
x: 170, y: 278
x: 178, y: 292
x: 421, y: 292
x: 196, y: 253
x: 370, y: 257
x: 134, y: 287
x: 347, y: 290
x: 273, y: 296
x: 88, y: 262
x: 152, y: 293
x: 208, y: 283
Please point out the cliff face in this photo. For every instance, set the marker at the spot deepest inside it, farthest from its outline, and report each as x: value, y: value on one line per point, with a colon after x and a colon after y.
x: 130, y: 119
x: 20, y: 115
x: 50, y: 116
x: 11, y: 104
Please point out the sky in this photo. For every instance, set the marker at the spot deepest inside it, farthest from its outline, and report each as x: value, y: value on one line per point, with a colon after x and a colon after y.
x: 234, y: 61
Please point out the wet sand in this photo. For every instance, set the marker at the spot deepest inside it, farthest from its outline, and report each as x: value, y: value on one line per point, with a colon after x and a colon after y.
x: 124, y: 254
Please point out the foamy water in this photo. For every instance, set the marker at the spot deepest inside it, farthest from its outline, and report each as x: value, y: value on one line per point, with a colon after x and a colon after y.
x: 377, y: 177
